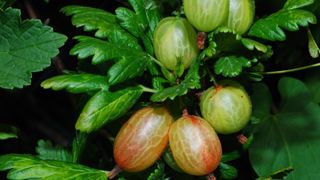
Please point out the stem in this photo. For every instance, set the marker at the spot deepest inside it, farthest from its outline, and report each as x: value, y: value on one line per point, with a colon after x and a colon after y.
x: 291, y: 70
x: 156, y: 61
x: 212, y: 78
x: 114, y: 172
x: 146, y: 89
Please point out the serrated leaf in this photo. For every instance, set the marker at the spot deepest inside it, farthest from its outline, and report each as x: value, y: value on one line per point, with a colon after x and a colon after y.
x: 46, y: 151
x: 158, y: 173
x: 130, y: 21
x: 29, y: 167
x: 128, y: 67
x: 106, y: 106
x: 76, y: 83
x: 252, y: 45
x: 294, y: 4
x: 227, y: 171
x: 289, y: 138
x: 25, y: 47
x: 104, y: 23
x: 191, y: 81
x: 100, y: 50
x: 231, y: 66
x: 269, y: 28
x: 7, y: 132
x: 313, y: 46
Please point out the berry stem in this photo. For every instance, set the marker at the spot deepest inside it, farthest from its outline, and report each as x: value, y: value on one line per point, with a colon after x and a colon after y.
x: 212, y: 78
x: 146, y: 89
x: 114, y: 172
x: 291, y: 70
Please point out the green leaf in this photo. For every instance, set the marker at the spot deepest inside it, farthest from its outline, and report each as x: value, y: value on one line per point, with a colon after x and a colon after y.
x: 76, y: 83
x: 261, y: 102
x: 313, y: 46
x: 29, y: 167
x: 227, y: 171
x: 128, y: 67
x: 312, y: 81
x: 130, y: 21
x: 47, y: 151
x: 252, y: 45
x: 226, y: 157
x: 25, y: 47
x: 78, y: 145
x: 294, y: 4
x: 7, y: 132
x: 104, y: 23
x: 191, y: 81
x: 289, y: 138
x: 106, y: 106
x: 231, y: 66
x: 5, y: 4
x: 158, y: 173
x: 269, y: 28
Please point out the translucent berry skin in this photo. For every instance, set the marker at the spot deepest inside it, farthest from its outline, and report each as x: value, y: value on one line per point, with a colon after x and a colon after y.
x: 142, y: 139
x: 175, y: 40
x: 226, y: 107
x: 240, y: 16
x: 206, y: 15
x: 195, y: 146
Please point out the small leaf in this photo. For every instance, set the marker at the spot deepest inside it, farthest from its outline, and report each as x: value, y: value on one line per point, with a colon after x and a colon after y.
x: 226, y: 157
x: 78, y: 145
x: 227, y: 171
x: 191, y: 81
x: 158, y: 173
x: 290, y: 137
x: 7, y: 132
x: 313, y: 46
x: 252, y: 44
x: 103, y: 22
x: 76, y: 83
x: 29, y: 167
x: 128, y: 67
x: 231, y: 66
x: 47, y: 151
x: 25, y: 47
x: 106, y: 106
x: 269, y: 28
x: 100, y: 49
x: 294, y: 4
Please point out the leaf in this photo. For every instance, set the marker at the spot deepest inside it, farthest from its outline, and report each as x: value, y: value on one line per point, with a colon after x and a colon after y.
x: 25, y: 47
x: 78, y: 145
x: 158, y: 173
x: 313, y: 47
x: 128, y: 67
x: 29, y: 167
x: 226, y: 157
x: 261, y: 102
x: 104, y: 23
x: 312, y: 80
x: 7, y: 132
x: 76, y: 83
x: 269, y: 28
x: 106, y: 106
x: 191, y: 81
x: 252, y: 45
x: 130, y: 21
x: 227, y: 171
x: 289, y: 138
x: 231, y: 66
x: 47, y: 151
x: 294, y: 4
x: 5, y: 4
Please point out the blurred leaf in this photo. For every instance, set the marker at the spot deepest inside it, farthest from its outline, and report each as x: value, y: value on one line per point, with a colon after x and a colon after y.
x: 7, y: 132
x: 289, y: 138
x: 78, y: 145
x: 227, y: 171
x: 261, y: 102
x: 26, y: 47
x: 313, y: 47
x: 106, y: 106
x: 269, y: 28
x: 104, y: 23
x: 231, y: 66
x: 158, y: 173
x: 76, y: 83
x: 29, y: 167
x: 294, y: 4
x: 5, y: 4
x: 47, y: 151
x: 128, y: 67
x: 191, y: 81
x: 226, y: 157
x: 312, y: 81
